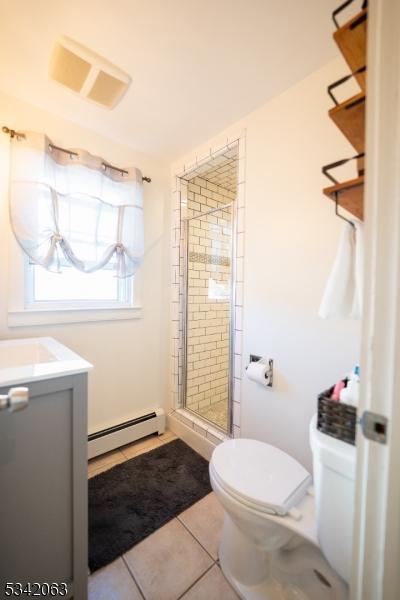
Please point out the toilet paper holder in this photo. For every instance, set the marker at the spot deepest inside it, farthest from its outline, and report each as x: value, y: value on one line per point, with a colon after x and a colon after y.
x: 270, y: 373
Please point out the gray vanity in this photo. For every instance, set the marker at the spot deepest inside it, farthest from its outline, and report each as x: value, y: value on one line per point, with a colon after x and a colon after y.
x: 43, y: 469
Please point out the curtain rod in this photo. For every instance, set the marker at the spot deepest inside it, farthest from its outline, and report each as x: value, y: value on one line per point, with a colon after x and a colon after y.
x: 12, y: 133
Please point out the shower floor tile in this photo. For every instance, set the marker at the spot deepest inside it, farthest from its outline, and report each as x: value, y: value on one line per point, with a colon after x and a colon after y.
x: 216, y: 413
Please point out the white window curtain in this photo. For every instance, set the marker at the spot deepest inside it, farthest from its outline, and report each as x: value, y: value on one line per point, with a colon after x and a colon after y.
x: 70, y: 208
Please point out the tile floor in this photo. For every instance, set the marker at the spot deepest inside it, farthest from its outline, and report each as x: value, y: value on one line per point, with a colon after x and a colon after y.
x: 178, y: 561
x: 110, y: 459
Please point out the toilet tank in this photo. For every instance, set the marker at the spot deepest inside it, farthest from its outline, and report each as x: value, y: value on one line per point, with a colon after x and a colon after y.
x: 334, y: 465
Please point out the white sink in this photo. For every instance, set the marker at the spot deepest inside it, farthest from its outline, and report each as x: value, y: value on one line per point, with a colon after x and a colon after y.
x: 33, y: 359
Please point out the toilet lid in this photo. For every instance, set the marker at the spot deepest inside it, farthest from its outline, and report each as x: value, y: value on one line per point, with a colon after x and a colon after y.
x: 260, y: 474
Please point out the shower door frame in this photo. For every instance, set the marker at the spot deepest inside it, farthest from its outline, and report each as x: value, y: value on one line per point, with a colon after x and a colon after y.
x: 232, y: 307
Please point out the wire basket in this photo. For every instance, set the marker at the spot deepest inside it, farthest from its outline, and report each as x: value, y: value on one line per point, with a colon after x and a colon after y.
x: 336, y: 419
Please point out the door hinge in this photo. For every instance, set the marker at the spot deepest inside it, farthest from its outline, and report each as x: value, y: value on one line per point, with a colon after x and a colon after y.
x: 374, y: 427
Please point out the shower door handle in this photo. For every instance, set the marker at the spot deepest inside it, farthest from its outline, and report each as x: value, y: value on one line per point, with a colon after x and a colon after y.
x: 16, y: 399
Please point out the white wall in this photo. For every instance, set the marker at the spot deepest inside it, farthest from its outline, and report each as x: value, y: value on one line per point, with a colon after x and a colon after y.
x: 291, y: 235
x: 123, y: 353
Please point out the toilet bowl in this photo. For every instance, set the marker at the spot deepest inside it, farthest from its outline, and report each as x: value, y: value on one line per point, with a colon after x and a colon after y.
x: 269, y: 546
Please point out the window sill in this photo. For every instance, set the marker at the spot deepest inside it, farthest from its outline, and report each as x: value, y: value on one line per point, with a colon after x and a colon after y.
x: 31, y: 317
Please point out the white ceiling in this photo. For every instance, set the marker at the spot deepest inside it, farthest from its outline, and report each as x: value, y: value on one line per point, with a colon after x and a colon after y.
x: 196, y: 65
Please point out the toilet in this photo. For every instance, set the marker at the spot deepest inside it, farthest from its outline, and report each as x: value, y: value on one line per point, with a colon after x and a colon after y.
x: 283, y: 539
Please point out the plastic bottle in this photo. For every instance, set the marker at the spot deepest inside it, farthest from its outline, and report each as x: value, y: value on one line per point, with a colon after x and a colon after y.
x: 351, y: 393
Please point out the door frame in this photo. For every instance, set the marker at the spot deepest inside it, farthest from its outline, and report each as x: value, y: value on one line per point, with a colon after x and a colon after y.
x: 376, y: 547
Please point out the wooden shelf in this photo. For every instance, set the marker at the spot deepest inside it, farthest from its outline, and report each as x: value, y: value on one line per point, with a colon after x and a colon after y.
x: 350, y: 195
x: 350, y: 118
x: 351, y: 39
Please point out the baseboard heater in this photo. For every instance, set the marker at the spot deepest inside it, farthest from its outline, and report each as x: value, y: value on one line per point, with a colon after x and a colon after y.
x: 126, y: 432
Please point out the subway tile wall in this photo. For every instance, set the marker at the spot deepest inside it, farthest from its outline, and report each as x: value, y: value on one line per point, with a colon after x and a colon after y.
x: 209, y: 295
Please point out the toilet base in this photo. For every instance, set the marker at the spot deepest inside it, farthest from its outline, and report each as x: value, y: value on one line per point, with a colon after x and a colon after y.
x: 301, y: 573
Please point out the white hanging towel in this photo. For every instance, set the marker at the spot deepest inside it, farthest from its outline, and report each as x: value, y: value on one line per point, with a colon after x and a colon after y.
x: 358, y: 270
x: 340, y: 291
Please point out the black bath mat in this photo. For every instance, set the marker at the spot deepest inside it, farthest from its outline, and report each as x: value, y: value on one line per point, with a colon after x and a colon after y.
x: 133, y: 499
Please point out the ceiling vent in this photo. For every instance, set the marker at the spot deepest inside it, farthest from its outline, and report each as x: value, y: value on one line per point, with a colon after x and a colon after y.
x: 87, y: 74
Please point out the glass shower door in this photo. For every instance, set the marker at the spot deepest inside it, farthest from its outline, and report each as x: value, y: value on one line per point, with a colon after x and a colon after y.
x: 208, y: 353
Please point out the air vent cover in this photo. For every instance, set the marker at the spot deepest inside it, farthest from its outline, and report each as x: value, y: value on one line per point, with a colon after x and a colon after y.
x: 86, y: 73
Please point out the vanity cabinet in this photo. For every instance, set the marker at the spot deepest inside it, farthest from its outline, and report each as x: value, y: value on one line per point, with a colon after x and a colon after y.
x: 43, y: 483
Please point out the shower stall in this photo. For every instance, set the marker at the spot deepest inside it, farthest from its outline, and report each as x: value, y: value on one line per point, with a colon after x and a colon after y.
x: 209, y: 234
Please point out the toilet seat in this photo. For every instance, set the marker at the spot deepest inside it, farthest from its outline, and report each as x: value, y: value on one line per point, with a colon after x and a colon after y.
x: 259, y: 475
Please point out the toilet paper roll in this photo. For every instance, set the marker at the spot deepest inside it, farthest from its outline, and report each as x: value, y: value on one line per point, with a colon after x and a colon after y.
x: 259, y: 372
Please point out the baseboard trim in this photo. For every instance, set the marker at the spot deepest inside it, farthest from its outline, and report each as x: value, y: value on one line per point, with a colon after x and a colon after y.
x: 126, y: 432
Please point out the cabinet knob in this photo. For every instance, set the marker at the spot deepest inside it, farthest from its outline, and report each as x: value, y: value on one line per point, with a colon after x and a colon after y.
x: 16, y: 399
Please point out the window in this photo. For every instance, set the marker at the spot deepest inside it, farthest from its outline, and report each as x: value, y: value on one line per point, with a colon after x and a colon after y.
x: 71, y: 289
x: 40, y: 297
x: 90, y: 230
x: 79, y: 222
